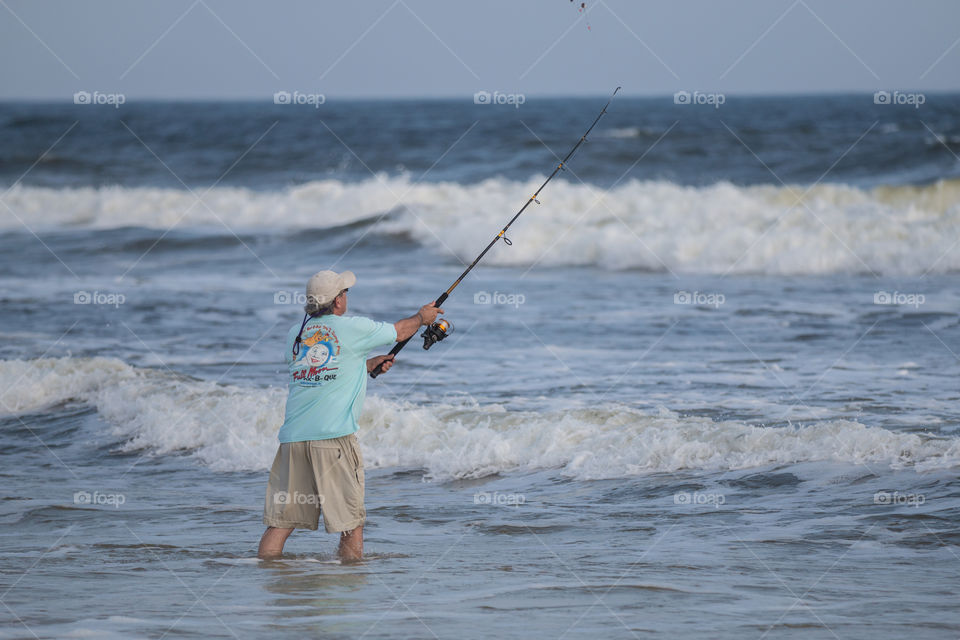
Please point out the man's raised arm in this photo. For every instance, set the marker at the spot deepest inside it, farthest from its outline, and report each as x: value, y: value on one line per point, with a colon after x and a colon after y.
x: 408, y: 326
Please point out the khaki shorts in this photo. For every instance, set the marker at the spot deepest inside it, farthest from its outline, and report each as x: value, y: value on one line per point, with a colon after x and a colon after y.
x: 314, y: 476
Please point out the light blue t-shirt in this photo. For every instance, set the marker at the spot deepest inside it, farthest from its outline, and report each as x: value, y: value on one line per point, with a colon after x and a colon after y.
x: 328, y: 377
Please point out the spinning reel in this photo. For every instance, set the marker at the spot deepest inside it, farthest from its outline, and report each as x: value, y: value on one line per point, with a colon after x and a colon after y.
x: 436, y: 332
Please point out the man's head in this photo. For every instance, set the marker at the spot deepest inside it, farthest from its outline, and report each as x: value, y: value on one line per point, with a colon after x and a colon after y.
x: 327, y: 292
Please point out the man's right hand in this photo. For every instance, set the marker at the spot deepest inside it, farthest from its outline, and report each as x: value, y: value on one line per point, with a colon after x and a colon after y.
x: 407, y: 327
x: 428, y: 314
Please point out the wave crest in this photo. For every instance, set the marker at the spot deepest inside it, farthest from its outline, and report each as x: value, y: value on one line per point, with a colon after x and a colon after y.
x: 233, y: 428
x: 649, y: 225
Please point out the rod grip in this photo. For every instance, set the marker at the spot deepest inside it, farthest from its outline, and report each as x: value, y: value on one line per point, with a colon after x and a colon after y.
x: 396, y: 349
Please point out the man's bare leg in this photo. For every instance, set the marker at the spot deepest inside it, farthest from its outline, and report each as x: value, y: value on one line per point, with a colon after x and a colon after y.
x: 351, y: 544
x: 271, y: 544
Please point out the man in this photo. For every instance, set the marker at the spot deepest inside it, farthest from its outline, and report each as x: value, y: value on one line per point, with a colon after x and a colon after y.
x: 318, y: 466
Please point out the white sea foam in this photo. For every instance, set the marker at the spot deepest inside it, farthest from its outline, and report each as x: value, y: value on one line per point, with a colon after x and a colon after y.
x: 652, y: 225
x: 621, y: 132
x: 234, y: 428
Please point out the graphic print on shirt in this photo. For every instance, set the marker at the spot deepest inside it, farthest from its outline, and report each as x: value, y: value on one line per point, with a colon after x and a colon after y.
x: 317, y: 361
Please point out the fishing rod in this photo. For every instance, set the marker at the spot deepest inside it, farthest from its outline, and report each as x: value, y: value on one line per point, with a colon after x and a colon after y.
x: 442, y: 328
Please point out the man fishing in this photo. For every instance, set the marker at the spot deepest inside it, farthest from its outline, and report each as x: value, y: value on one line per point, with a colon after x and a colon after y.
x: 318, y: 467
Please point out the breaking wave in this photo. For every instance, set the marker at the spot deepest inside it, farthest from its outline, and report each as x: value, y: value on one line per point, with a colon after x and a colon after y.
x: 647, y: 225
x: 234, y: 428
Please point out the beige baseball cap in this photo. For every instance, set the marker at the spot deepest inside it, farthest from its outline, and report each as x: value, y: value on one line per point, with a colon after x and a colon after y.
x: 324, y: 286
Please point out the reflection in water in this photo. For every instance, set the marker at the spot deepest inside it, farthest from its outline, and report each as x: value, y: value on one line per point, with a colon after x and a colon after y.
x: 316, y: 584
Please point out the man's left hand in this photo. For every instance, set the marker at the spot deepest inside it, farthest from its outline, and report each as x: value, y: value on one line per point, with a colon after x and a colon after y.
x: 386, y: 361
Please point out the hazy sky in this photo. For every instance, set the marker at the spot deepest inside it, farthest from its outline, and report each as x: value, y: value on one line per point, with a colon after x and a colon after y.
x: 407, y: 48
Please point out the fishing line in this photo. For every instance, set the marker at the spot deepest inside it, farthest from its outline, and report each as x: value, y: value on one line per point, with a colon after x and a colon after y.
x: 442, y: 328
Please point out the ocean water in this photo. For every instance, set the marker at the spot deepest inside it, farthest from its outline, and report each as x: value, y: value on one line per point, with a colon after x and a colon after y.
x: 709, y: 391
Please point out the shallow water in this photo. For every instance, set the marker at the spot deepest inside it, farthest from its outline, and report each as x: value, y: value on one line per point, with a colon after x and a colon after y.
x: 792, y: 550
